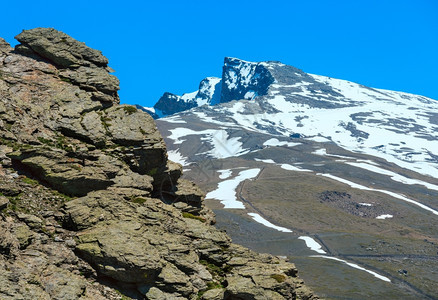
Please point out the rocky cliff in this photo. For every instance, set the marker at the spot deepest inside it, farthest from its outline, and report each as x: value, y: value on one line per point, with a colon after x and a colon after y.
x: 91, y: 208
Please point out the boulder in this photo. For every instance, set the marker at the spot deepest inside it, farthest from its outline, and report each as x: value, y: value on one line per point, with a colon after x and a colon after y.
x: 60, y: 48
x: 79, y: 64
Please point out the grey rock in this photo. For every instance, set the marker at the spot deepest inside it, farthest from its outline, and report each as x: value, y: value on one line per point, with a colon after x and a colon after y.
x: 60, y: 48
x: 4, y: 46
x: 80, y: 64
x: 129, y: 179
x: 70, y: 243
x: 172, y: 275
x: 135, y: 222
x: 214, y: 294
x: 23, y: 235
x: 31, y: 220
x: 93, y: 79
x: 55, y: 168
x: 156, y: 294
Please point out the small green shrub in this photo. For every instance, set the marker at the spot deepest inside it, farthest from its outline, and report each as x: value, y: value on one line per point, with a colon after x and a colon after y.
x: 59, y: 143
x: 192, y: 216
x: 130, y: 109
x: 152, y: 171
x: 212, y: 268
x: 65, y: 197
x: 279, y: 277
x: 105, y: 124
x: 214, y: 285
x: 13, y: 201
x: 29, y: 181
x: 10, y: 143
x: 139, y: 200
x: 45, y: 141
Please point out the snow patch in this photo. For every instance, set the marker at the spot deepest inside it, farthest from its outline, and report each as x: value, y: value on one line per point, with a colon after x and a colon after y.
x: 267, y: 161
x: 224, y: 174
x: 189, y: 97
x: 276, y: 142
x: 355, y: 266
x: 312, y: 244
x: 261, y: 220
x: 323, y: 152
x: 226, y: 190
x: 383, y: 217
x: 283, y: 166
x: 222, y: 145
x: 293, y: 168
x: 177, y: 157
x: 319, y: 139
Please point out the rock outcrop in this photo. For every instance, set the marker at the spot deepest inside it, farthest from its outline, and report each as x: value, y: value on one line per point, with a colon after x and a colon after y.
x: 90, y: 206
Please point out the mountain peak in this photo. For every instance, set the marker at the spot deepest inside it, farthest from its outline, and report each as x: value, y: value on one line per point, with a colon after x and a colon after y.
x: 240, y: 79
x: 244, y: 80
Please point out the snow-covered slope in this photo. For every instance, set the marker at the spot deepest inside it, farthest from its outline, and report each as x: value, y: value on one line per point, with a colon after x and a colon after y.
x: 346, y: 164
x: 286, y: 102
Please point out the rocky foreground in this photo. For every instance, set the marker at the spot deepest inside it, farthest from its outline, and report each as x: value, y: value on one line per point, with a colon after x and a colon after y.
x: 91, y: 208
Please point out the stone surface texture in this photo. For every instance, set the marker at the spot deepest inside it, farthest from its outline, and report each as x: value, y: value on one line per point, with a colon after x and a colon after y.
x: 90, y: 206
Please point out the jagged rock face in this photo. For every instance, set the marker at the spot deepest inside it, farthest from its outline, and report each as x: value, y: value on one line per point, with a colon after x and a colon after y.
x: 240, y: 80
x: 73, y: 132
x: 244, y: 80
x: 209, y: 93
x: 169, y: 104
x: 136, y: 221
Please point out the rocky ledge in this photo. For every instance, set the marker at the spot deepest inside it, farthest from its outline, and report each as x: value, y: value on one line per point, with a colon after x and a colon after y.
x: 91, y: 208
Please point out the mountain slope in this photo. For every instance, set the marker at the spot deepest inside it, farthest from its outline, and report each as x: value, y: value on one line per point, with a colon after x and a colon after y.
x: 397, y: 126
x: 309, y: 154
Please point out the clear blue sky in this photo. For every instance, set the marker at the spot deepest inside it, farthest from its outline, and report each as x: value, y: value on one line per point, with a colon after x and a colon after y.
x: 158, y: 46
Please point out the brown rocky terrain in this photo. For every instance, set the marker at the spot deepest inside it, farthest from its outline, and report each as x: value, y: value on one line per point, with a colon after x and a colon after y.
x: 91, y: 208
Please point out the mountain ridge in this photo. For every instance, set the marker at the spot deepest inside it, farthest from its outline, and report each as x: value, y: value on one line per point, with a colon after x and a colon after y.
x: 333, y: 169
x: 294, y: 90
